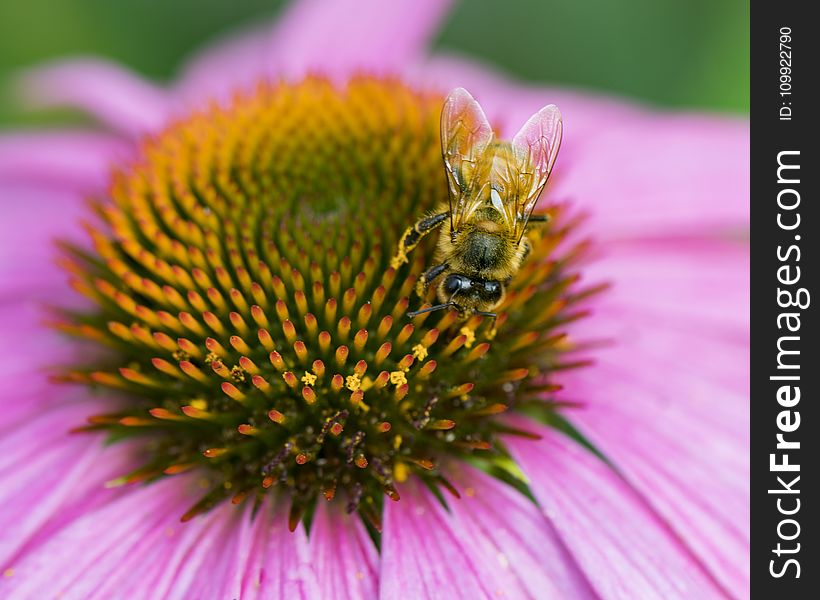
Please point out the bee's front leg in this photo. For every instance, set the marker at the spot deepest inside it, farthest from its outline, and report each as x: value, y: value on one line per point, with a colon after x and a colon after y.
x: 427, y: 278
x: 413, y: 236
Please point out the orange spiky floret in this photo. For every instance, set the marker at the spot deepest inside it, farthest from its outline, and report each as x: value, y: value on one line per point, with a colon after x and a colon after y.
x: 243, y: 278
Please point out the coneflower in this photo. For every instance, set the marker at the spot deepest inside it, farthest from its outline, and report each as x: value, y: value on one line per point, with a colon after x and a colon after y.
x: 242, y: 282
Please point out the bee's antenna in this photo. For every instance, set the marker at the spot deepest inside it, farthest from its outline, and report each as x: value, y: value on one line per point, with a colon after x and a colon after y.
x: 416, y: 313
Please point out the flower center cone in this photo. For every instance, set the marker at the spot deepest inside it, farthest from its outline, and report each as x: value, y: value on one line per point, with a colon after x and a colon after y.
x: 241, y: 287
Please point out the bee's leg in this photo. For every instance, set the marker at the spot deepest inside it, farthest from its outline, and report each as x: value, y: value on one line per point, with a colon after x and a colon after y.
x: 416, y: 313
x: 526, y: 248
x: 413, y: 235
x: 539, y: 219
x: 428, y: 276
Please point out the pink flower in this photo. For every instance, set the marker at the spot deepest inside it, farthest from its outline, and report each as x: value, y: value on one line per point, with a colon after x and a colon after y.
x: 665, y: 515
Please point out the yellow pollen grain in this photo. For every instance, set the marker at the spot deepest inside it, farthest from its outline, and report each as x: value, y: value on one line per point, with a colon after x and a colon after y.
x: 419, y: 352
x: 308, y: 378
x: 398, y: 378
x: 400, y: 472
x: 210, y: 357
x: 396, y: 442
x: 199, y: 404
x: 237, y: 374
x: 399, y: 259
x: 181, y: 355
x: 8, y: 572
x: 469, y: 334
x: 353, y: 383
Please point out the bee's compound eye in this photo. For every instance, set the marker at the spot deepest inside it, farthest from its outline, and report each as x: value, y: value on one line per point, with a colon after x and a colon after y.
x: 456, y: 283
x: 492, y: 290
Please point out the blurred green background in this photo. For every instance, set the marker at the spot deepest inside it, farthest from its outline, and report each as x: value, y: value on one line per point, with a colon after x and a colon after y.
x: 679, y: 53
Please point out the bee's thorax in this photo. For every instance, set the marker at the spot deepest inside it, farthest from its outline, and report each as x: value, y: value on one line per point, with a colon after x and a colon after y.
x: 482, y: 250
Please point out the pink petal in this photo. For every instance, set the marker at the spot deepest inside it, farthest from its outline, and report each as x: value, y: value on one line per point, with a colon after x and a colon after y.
x: 285, y: 564
x: 33, y: 220
x: 188, y: 550
x: 214, y: 563
x: 493, y: 542
x: 243, y: 556
x: 26, y: 399
x: 673, y: 415
x: 343, y: 555
x: 39, y: 353
x: 30, y: 393
x: 332, y: 37
x: 680, y: 281
x: 60, y: 160
x: 639, y: 172
x: 421, y: 555
x: 30, y: 279
x: 340, y: 36
x: 138, y: 544
x: 45, y: 180
x: 109, y: 92
x: 51, y: 477
x: 624, y: 549
x: 236, y: 61
x: 91, y: 550
x: 525, y: 546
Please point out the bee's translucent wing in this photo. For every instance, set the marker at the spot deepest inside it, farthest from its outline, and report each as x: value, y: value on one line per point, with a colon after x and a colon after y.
x: 534, y: 149
x: 465, y: 136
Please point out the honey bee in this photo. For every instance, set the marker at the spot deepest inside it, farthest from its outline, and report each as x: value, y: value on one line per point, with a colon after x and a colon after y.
x: 493, y: 188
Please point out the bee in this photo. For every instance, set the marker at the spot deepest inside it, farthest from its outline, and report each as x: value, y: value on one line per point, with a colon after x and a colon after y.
x: 493, y: 188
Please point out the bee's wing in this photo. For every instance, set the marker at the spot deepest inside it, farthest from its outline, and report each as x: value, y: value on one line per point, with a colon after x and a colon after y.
x: 534, y: 149
x: 465, y: 136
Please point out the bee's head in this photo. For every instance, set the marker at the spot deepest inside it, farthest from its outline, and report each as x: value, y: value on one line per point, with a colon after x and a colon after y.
x: 466, y: 292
